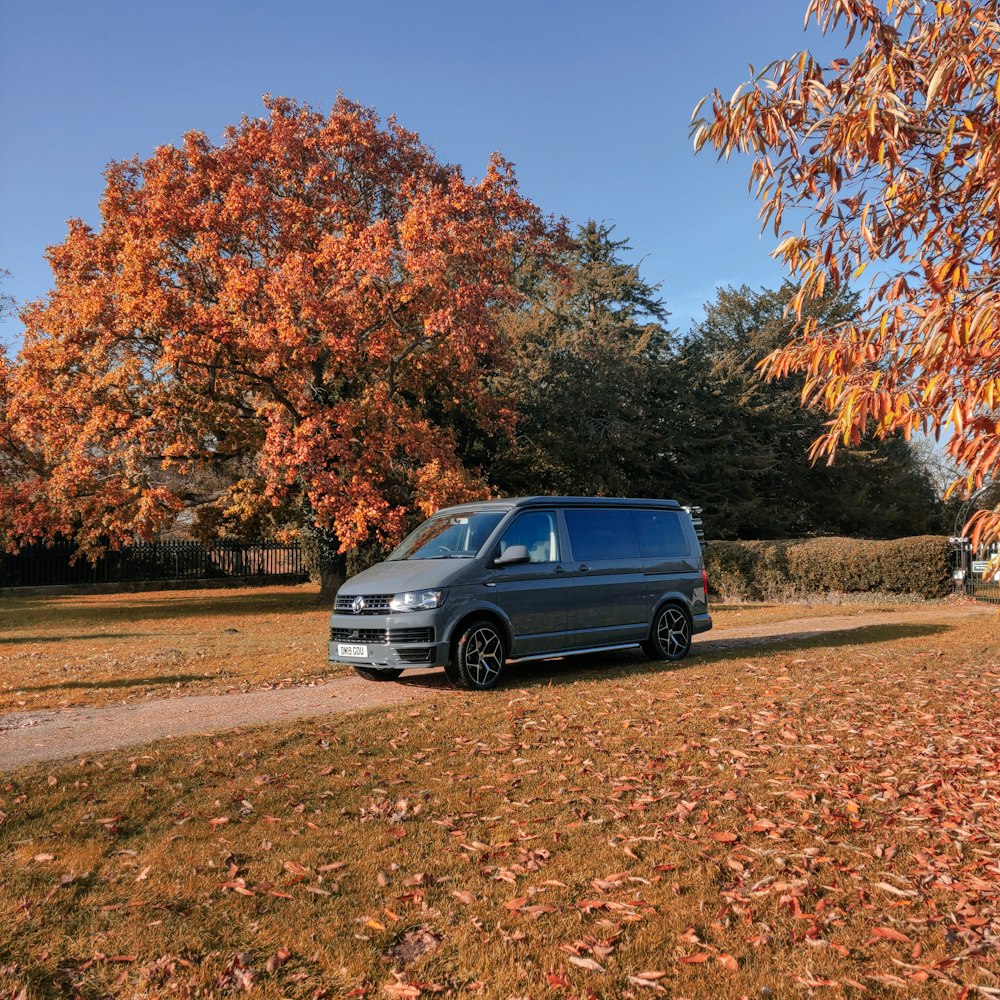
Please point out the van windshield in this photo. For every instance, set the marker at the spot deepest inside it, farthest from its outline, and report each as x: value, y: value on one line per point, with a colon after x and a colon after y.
x: 449, y: 536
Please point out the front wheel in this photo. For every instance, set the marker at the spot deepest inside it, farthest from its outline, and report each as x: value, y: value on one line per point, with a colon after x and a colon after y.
x: 371, y: 674
x: 670, y: 638
x: 478, y: 657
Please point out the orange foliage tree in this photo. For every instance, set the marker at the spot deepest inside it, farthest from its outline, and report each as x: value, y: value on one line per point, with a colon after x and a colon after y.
x: 887, y: 161
x: 317, y: 293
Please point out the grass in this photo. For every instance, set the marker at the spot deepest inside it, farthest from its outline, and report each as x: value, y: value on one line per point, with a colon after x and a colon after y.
x: 822, y: 819
x: 100, y: 649
x: 96, y: 649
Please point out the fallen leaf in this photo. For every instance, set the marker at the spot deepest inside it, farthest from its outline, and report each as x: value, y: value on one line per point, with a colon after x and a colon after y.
x: 586, y: 963
x: 646, y: 984
x: 888, y: 934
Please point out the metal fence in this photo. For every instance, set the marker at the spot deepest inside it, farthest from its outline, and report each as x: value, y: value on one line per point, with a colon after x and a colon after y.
x: 987, y: 591
x: 55, y: 565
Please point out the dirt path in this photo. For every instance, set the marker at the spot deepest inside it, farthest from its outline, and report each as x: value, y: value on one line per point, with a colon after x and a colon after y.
x: 32, y: 737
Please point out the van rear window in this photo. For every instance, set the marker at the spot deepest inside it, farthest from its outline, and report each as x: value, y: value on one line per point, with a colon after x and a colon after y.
x: 596, y: 533
x: 661, y: 534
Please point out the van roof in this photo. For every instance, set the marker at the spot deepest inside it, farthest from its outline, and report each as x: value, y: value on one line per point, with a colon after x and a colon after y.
x: 509, y: 503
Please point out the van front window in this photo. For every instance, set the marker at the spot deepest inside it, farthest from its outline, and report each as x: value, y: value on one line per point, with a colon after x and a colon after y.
x: 449, y: 536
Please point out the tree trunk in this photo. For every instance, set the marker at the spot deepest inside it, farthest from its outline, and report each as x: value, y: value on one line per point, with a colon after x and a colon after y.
x: 326, y: 564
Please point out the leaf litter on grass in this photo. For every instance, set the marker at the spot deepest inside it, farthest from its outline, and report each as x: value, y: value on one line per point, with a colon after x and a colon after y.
x: 798, y: 822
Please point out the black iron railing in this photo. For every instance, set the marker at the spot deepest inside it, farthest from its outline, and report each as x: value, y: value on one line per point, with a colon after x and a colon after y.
x: 987, y: 591
x: 58, y: 564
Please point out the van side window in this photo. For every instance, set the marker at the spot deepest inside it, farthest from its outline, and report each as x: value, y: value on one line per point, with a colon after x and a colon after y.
x: 661, y: 534
x: 601, y: 534
x: 537, y: 532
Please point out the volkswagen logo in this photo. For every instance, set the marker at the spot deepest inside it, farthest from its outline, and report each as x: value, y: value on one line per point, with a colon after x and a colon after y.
x: 358, y: 605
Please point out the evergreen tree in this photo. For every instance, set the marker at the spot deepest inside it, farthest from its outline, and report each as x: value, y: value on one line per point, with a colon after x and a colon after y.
x: 586, y: 352
x: 746, y: 452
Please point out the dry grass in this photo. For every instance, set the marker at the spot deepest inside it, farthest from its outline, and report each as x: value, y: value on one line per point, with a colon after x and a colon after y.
x: 100, y: 649
x: 97, y: 649
x: 823, y: 819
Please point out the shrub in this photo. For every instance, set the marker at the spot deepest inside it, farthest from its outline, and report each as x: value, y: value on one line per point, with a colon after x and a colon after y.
x: 781, y: 569
x: 752, y: 571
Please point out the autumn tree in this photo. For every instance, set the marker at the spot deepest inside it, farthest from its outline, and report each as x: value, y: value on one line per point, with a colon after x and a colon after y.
x: 887, y: 163
x: 316, y: 296
x: 6, y: 301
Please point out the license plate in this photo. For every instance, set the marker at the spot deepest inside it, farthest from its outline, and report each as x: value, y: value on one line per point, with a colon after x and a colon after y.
x: 351, y: 649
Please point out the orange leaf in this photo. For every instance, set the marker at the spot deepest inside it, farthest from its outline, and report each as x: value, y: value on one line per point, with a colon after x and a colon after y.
x: 725, y: 838
x: 888, y: 934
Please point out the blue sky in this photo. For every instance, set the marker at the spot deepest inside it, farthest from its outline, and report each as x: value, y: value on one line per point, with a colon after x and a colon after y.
x: 590, y: 99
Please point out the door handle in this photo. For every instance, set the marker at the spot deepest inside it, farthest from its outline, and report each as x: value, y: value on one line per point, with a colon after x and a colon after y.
x: 560, y: 569
x: 584, y: 568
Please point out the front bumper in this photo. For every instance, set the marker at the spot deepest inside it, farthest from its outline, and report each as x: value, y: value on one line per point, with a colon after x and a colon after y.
x: 394, y: 642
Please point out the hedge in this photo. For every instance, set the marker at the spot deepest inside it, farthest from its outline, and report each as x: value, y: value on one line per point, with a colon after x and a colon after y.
x: 758, y: 571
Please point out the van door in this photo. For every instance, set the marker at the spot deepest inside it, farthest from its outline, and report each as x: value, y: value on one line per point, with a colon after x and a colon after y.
x: 535, y: 595
x: 610, y: 600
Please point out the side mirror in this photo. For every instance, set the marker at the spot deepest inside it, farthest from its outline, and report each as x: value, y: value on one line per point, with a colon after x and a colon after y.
x: 514, y: 555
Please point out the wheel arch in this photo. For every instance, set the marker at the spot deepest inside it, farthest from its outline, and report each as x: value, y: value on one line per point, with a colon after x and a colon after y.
x: 475, y: 614
x: 678, y: 600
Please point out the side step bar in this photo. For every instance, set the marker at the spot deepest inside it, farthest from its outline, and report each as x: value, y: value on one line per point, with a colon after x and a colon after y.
x: 572, y: 652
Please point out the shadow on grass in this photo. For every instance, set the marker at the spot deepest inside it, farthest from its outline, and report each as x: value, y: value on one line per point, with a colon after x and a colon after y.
x: 627, y: 662
x: 121, y: 682
x: 29, y: 640
x: 101, y: 609
x: 816, y: 639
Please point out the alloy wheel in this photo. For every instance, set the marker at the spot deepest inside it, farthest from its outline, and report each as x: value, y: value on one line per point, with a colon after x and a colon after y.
x: 484, y: 656
x: 673, y: 633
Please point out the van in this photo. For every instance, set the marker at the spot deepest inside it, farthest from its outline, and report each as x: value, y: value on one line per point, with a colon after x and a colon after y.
x: 484, y: 584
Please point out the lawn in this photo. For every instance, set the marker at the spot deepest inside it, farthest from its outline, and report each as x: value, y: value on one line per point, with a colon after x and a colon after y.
x: 822, y: 819
x: 99, y: 649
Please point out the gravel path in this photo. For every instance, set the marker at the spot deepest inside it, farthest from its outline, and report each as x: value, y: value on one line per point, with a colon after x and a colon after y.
x: 32, y: 737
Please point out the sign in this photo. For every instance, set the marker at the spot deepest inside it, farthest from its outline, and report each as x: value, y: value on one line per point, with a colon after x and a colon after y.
x: 979, y: 566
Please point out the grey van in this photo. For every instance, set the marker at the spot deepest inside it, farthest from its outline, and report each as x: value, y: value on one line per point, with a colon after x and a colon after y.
x: 483, y: 584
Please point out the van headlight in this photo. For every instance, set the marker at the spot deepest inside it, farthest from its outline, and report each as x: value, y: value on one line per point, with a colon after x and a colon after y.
x: 417, y: 600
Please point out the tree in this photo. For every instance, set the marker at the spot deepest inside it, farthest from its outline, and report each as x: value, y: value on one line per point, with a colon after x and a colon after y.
x: 317, y: 294
x: 892, y: 159
x: 744, y: 443
x: 6, y: 301
x: 586, y: 346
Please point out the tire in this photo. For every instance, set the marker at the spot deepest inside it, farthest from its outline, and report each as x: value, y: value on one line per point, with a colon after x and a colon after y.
x: 478, y: 656
x: 670, y: 637
x: 371, y: 674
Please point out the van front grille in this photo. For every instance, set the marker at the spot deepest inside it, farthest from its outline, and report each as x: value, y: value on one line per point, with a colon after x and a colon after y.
x: 374, y: 604
x: 381, y: 636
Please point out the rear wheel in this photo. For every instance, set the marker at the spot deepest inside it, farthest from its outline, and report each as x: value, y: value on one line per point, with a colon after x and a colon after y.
x: 670, y: 638
x: 478, y: 656
x: 371, y: 674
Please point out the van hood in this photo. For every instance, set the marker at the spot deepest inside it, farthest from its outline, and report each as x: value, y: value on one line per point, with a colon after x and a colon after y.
x: 407, y: 574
